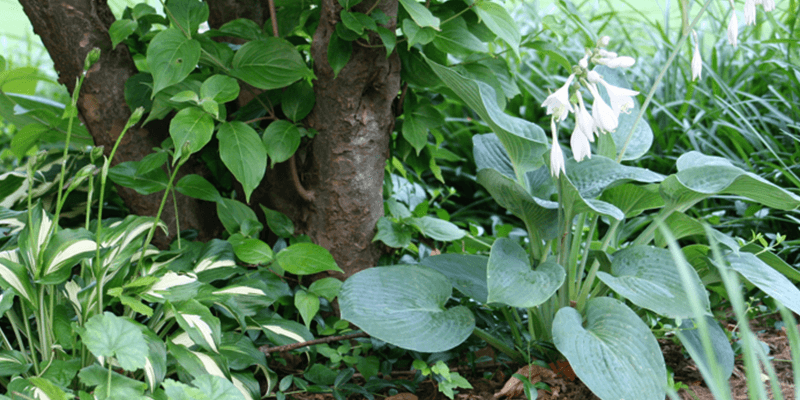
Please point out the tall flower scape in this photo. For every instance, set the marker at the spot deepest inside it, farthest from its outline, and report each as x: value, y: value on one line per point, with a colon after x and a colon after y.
x: 604, y: 117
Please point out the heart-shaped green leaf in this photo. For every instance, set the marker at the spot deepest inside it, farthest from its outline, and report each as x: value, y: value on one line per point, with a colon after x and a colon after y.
x: 404, y: 305
x: 511, y: 280
x: 614, y: 353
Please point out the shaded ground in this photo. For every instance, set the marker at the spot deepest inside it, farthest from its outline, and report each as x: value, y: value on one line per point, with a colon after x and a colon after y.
x: 491, y: 381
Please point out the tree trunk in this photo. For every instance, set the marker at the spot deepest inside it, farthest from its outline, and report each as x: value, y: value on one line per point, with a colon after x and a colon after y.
x: 69, y: 30
x: 344, y: 165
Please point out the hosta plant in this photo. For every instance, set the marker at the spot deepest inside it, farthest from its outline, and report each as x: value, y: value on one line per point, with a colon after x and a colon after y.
x: 594, y: 257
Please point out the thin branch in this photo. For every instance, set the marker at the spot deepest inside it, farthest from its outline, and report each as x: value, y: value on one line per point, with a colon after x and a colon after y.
x: 307, y: 195
x: 274, y: 16
x: 267, y: 350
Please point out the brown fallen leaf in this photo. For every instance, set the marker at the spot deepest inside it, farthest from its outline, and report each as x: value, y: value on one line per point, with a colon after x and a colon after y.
x: 403, y: 396
x: 515, y: 388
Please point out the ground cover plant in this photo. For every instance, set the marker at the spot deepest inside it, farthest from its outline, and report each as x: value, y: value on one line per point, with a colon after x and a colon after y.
x: 598, y: 252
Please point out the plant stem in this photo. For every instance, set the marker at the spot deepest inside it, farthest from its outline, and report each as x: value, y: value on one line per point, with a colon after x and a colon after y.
x: 512, y: 325
x: 660, y: 77
x: 152, y: 230
x: 499, y: 345
x: 72, y: 111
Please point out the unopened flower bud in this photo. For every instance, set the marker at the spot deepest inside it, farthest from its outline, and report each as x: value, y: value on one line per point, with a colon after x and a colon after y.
x: 91, y: 58
x: 594, y: 77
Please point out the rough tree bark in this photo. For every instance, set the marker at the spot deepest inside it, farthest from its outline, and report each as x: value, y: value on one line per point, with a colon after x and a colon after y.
x: 343, y: 166
x: 69, y: 30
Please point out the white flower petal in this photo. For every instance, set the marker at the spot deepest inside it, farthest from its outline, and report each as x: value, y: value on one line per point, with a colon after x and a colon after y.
x: 733, y: 30
x: 769, y: 5
x: 621, y: 99
x: 749, y: 12
x: 605, y: 119
x: 697, y: 62
x: 593, y: 77
x: 624, y: 62
x: 556, y: 155
x: 557, y: 103
x: 579, y: 144
x: 584, y: 120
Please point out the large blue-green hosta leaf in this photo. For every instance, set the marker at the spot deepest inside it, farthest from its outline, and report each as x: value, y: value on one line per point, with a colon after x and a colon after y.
x: 700, y: 176
x: 649, y: 278
x: 614, y: 353
x: 512, y: 281
x: 466, y: 272
x: 766, y: 278
x: 404, y: 305
x: 689, y: 335
x: 524, y: 141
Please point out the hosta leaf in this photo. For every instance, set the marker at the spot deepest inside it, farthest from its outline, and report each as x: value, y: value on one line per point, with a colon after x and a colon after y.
x: 196, y: 363
x: 173, y: 287
x: 700, y: 176
x: 511, y: 280
x: 466, y: 272
x: 642, y: 137
x: 404, y: 305
x: 649, y: 278
x: 613, y: 352
x: 306, y: 259
x: 15, y: 275
x: 66, y: 248
x: 242, y: 152
x: 108, y: 335
x: 171, y: 56
x: 155, y: 369
x: 207, y: 387
x: 766, y: 278
x: 282, y: 332
x: 199, y: 323
x: 524, y: 141
x: 689, y: 335
x: 269, y: 63
x: 32, y: 239
x: 12, y: 363
x: 216, y: 258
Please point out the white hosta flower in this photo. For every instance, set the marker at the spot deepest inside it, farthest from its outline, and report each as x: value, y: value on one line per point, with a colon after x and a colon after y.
x: 621, y: 99
x: 768, y: 5
x: 605, y: 119
x: 594, y: 77
x: 750, y: 12
x: 558, y: 102
x: 604, y: 41
x: 697, y: 62
x: 583, y: 120
x: 733, y: 30
x: 556, y: 155
x: 623, y: 61
x: 579, y: 144
x: 584, y: 62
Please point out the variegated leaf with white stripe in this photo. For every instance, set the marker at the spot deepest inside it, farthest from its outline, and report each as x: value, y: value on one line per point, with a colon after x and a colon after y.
x: 174, y: 287
x: 65, y: 249
x: 15, y: 275
x: 197, y: 320
x: 13, y: 362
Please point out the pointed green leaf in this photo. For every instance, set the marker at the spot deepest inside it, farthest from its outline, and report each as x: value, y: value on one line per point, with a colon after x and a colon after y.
x: 393, y: 234
x: 190, y: 129
x: 12, y: 363
x: 15, y: 275
x: 120, y: 30
x: 281, y: 139
x: 124, y: 174
x: 437, y: 229
x: 307, y: 304
x: 187, y: 14
x: 65, y: 249
x: 388, y: 38
x: 198, y: 187
x: 511, y: 280
x: 269, y: 63
x: 298, y: 100
x: 649, y: 278
x: 220, y: 88
x: 500, y: 22
x: 278, y: 222
x: 253, y: 251
x: 613, y: 352
x: 171, y: 56
x: 339, y: 52
x: 326, y: 287
x: 243, y: 153
x: 404, y: 305
x: 421, y: 15
x: 306, y: 259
